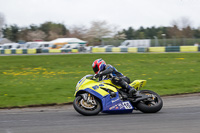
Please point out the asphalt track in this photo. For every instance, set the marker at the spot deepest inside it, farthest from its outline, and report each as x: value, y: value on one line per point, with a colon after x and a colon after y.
x: 180, y: 114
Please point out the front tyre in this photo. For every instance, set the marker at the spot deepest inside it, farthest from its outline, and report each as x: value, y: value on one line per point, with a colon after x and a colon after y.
x: 85, y: 108
x: 152, y: 105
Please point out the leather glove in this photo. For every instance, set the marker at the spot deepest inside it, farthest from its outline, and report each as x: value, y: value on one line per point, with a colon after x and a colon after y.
x: 97, y: 75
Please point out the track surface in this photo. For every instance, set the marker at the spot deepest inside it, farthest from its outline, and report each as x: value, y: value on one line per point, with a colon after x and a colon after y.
x: 180, y: 114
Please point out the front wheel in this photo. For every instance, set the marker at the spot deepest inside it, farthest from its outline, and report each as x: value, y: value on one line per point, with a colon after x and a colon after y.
x: 151, y: 105
x: 86, y: 108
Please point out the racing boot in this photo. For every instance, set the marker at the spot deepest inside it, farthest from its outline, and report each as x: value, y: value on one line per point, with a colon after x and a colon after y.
x: 131, y: 90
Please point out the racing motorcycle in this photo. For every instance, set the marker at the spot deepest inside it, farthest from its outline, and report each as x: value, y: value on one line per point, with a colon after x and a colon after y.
x: 92, y: 97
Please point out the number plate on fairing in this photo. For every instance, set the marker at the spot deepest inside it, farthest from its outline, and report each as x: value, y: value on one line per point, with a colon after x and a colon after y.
x: 127, y: 105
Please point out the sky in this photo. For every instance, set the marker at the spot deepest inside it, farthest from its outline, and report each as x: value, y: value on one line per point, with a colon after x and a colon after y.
x: 122, y: 13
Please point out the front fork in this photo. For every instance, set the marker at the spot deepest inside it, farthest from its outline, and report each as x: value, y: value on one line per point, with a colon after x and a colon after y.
x: 87, y: 97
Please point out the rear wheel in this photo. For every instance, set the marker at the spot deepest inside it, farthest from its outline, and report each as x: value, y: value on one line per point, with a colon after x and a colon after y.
x: 151, y: 105
x: 87, y: 108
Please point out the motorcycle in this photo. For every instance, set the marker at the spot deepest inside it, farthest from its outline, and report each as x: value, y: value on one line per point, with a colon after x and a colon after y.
x: 92, y: 97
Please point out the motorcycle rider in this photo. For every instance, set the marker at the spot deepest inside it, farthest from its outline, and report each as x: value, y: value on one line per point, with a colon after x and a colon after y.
x: 103, y: 70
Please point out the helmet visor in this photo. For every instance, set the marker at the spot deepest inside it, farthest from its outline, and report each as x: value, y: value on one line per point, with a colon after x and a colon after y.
x: 95, y: 69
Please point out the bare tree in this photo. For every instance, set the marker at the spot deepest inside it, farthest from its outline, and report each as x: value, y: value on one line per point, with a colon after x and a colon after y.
x: 78, y: 31
x: 35, y: 35
x: 187, y: 32
x: 53, y: 35
x: 184, y: 22
x: 181, y: 28
x: 99, y: 29
x: 2, y: 21
x: 120, y: 36
x: 174, y: 31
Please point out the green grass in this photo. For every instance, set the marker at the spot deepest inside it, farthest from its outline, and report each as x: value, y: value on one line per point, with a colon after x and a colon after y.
x: 45, y: 79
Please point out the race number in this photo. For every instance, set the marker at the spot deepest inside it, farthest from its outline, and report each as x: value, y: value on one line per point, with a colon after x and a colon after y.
x: 127, y: 105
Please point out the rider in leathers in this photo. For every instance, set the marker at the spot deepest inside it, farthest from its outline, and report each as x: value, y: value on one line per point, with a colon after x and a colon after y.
x: 103, y: 71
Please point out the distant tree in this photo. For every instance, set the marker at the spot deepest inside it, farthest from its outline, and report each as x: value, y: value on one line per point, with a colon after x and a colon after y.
x: 11, y: 32
x: 164, y: 31
x: 53, y: 35
x: 141, y: 29
x: 182, y: 23
x: 78, y: 31
x: 159, y: 34
x: 187, y: 32
x: 2, y: 21
x: 33, y: 27
x: 153, y: 31
x: 181, y: 28
x: 196, y: 33
x: 147, y: 33
x: 174, y: 32
x: 54, y: 30
x: 120, y: 36
x: 130, y: 33
x: 98, y: 30
x: 35, y: 35
x: 141, y: 35
x: 22, y: 35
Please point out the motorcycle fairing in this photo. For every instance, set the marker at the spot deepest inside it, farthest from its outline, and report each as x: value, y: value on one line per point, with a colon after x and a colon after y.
x: 115, y: 105
x: 138, y: 84
x: 112, y: 105
x: 98, y: 89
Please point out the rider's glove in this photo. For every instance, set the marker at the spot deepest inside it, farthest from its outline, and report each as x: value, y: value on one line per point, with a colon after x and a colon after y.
x: 97, y: 75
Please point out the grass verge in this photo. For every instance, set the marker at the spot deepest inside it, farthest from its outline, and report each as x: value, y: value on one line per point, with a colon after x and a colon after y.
x: 46, y: 79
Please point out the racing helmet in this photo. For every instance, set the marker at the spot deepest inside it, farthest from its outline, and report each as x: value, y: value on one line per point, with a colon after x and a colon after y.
x: 98, y: 65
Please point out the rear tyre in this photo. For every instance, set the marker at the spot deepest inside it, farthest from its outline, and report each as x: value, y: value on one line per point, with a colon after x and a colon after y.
x: 84, y: 108
x: 152, y: 105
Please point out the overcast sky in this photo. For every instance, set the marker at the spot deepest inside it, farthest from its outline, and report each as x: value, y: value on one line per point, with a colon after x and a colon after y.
x: 124, y: 13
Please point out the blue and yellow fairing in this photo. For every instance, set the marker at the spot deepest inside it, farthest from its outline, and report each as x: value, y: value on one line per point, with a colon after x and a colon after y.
x: 98, y: 87
x: 100, y: 90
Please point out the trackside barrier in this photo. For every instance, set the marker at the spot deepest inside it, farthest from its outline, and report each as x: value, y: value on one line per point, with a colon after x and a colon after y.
x: 31, y: 51
x: 142, y: 50
x: 116, y: 49
x: 132, y: 50
x: 13, y: 51
x: 188, y: 48
x: 18, y: 51
x: 94, y: 50
x: 54, y: 51
x: 156, y: 49
x: 45, y: 50
x: 38, y: 50
x: 108, y: 49
x: 74, y: 50
x: 124, y: 49
x: 172, y: 49
x: 98, y: 50
x: 24, y: 51
x: 66, y: 51
x: 103, y: 50
x: 7, y: 51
